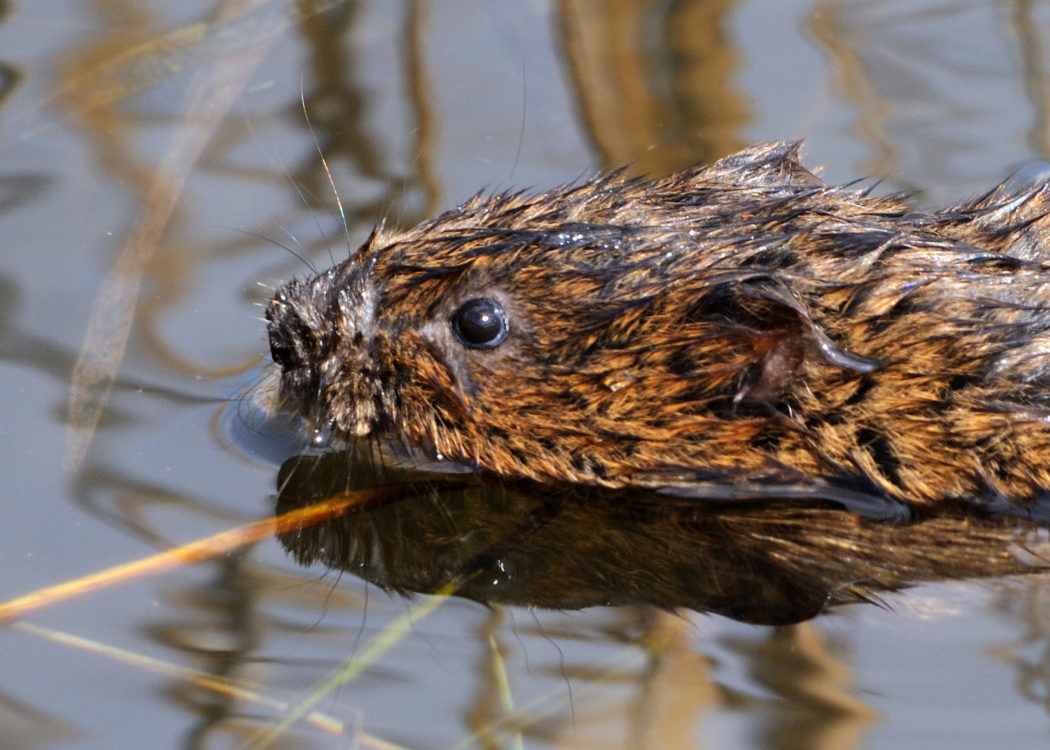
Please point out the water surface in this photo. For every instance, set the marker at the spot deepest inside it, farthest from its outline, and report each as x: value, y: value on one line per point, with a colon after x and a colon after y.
x: 156, y: 168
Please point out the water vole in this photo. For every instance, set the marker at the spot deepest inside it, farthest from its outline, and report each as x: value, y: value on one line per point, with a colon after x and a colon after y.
x: 739, y: 330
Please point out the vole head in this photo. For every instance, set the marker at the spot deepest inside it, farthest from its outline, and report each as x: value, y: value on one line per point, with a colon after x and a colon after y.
x: 563, y: 335
x: 713, y: 331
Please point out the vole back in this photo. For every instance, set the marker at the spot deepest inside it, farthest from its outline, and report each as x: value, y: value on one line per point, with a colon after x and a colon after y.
x: 735, y: 331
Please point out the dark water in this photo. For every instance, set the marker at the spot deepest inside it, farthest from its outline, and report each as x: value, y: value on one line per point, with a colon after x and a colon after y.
x: 155, y: 158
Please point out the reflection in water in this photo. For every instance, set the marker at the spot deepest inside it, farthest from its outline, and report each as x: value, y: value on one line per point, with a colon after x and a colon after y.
x: 1030, y: 655
x: 107, y: 74
x: 339, y: 106
x: 24, y: 726
x: 655, y: 84
x: 1032, y: 49
x: 19, y: 189
x: 921, y: 96
x: 210, y: 93
x: 654, y: 80
x: 561, y: 548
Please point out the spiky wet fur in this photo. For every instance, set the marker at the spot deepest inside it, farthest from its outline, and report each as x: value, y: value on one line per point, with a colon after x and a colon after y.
x: 735, y: 330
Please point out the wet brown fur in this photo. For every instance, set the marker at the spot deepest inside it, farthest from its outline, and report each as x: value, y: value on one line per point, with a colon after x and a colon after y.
x: 738, y: 330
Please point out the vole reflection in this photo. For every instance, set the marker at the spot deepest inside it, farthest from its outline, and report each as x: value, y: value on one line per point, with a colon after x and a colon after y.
x: 531, y: 545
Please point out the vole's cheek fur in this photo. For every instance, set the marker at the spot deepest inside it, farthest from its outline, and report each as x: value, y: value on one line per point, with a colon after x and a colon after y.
x: 739, y: 330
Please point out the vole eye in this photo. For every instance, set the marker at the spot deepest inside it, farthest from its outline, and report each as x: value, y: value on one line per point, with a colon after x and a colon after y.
x: 480, y: 323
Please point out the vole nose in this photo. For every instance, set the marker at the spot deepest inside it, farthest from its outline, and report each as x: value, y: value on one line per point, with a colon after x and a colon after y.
x: 286, y: 347
x: 282, y: 351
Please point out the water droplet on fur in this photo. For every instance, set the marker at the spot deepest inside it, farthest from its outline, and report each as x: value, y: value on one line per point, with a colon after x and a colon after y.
x: 321, y: 436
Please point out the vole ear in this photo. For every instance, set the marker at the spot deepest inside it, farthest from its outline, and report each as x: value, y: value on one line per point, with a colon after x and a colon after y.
x: 756, y: 339
x: 783, y: 295
x: 766, y: 325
